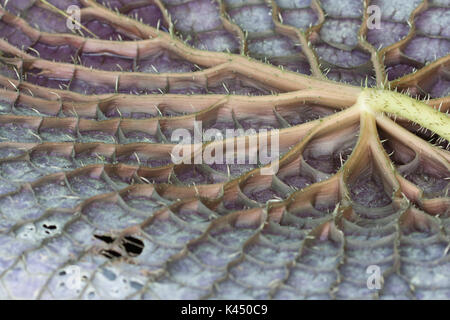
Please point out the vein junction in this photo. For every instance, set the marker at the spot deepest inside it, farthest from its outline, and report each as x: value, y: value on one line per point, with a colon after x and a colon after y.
x: 379, y: 101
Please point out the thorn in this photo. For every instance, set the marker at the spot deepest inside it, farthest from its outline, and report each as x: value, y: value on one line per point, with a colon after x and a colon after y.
x: 145, y: 180
x: 35, y: 51
x: 118, y: 111
x: 137, y: 158
x: 159, y: 111
x: 15, y: 87
x: 116, y: 86
x: 225, y: 87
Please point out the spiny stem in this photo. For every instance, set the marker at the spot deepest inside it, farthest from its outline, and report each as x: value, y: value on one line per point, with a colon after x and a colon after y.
x: 383, y: 101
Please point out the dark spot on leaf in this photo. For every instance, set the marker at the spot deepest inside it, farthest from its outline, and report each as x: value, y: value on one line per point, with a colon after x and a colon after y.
x: 106, y: 239
x: 133, y: 246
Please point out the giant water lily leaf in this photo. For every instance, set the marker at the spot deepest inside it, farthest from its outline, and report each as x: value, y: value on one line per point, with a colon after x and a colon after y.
x: 356, y: 205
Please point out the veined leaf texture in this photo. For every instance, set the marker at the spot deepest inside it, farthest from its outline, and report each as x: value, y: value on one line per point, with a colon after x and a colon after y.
x: 93, y: 207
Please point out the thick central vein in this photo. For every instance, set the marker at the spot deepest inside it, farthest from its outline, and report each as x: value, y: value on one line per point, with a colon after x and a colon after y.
x: 380, y: 101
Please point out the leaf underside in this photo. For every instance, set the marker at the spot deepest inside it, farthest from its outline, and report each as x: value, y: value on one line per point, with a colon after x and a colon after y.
x: 92, y: 207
